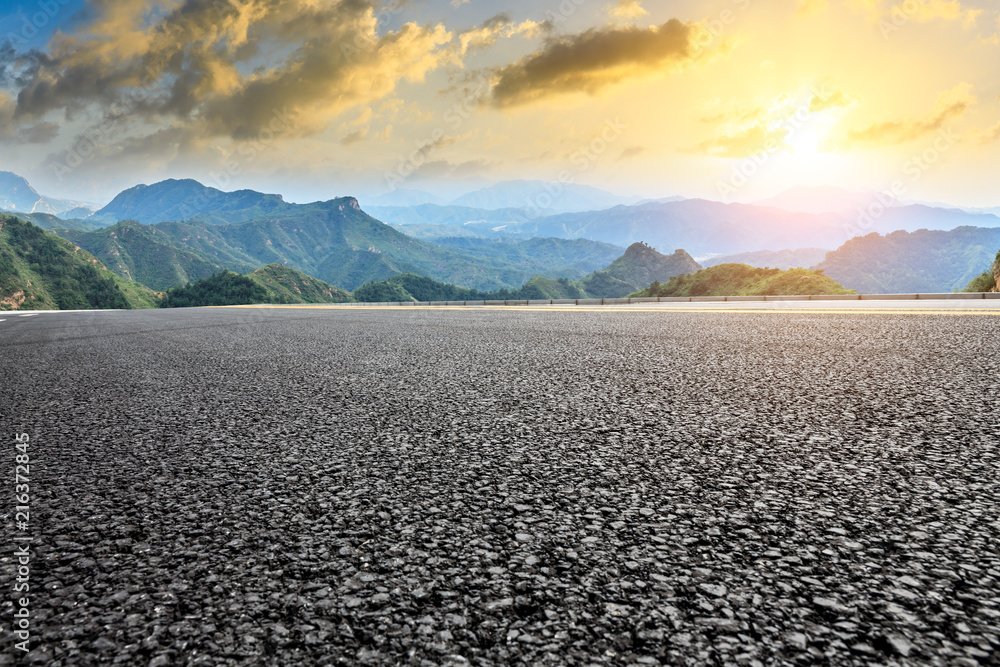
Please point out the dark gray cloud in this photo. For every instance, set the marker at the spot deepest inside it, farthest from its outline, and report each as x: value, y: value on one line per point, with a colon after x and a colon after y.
x: 594, y: 59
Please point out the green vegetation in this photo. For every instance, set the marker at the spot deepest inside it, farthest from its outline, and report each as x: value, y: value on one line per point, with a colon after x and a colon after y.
x: 743, y: 280
x: 200, y: 230
x: 638, y: 262
x: 39, y: 271
x: 149, y: 256
x: 270, y: 284
x: 913, y: 262
x: 987, y: 281
x: 286, y: 285
x: 222, y: 289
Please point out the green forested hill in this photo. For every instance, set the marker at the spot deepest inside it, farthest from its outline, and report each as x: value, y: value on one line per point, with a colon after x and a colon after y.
x: 334, y: 241
x: 913, y: 262
x: 623, y: 276
x: 147, y: 255
x: 40, y: 271
x: 988, y: 280
x: 286, y: 285
x: 638, y: 267
x: 269, y: 284
x: 743, y: 280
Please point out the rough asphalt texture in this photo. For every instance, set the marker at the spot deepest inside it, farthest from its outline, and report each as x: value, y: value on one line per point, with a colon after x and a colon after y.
x: 507, y: 487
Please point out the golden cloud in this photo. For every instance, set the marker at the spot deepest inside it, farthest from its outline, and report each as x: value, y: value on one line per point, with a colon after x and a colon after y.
x: 595, y: 59
x: 990, y: 136
x: 756, y: 139
x: 500, y: 26
x: 626, y: 9
x: 950, y: 105
x: 834, y: 100
x: 194, y: 64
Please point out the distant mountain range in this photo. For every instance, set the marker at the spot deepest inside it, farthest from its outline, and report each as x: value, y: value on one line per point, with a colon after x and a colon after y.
x: 334, y: 241
x: 189, y: 200
x: 17, y: 196
x: 496, y: 238
x: 539, y: 197
x: 823, y: 199
x: 638, y: 267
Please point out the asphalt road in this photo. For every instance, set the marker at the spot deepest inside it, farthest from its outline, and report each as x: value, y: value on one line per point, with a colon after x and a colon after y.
x: 445, y: 487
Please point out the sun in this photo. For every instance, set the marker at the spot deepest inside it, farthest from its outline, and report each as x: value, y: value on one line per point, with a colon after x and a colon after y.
x: 805, y: 142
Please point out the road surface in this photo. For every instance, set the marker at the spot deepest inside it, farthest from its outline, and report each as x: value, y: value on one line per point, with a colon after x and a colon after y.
x: 506, y: 486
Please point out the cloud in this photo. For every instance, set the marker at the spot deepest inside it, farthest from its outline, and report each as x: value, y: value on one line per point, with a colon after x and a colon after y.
x: 631, y: 152
x: 950, y: 105
x: 626, y: 9
x: 753, y: 140
x: 498, y: 27
x: 994, y: 39
x: 834, y: 100
x: 594, y: 59
x: 195, y: 65
x: 734, y: 112
x: 355, y: 137
x: 989, y: 136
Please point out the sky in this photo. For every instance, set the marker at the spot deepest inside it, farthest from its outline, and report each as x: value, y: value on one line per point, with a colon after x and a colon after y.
x: 732, y: 100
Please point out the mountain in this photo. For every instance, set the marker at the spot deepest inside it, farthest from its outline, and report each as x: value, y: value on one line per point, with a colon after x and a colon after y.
x: 624, y: 275
x: 286, y: 285
x: 706, y: 227
x: 775, y: 259
x: 334, y: 241
x: 150, y: 256
x: 175, y: 200
x: 700, y: 226
x: 640, y: 266
x: 988, y: 280
x: 40, y: 271
x: 743, y: 280
x: 540, y: 196
x: 273, y: 283
x: 823, y: 199
x: 17, y: 196
x: 913, y: 262
x: 50, y: 222
x: 552, y: 258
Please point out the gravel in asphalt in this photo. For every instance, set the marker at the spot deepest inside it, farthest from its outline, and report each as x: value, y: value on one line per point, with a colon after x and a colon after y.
x: 250, y: 486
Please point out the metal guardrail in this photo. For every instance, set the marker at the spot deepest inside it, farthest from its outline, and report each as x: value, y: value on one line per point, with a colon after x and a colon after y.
x: 689, y: 299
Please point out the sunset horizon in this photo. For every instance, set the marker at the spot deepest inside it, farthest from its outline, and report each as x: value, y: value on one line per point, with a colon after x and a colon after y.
x: 729, y: 101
